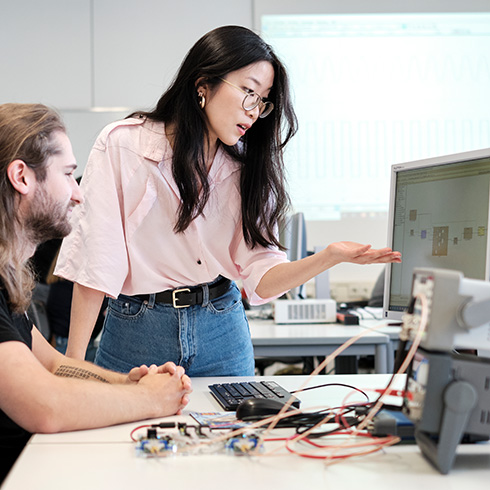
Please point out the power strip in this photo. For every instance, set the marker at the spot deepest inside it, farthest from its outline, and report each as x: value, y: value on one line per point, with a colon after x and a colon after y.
x: 305, y: 311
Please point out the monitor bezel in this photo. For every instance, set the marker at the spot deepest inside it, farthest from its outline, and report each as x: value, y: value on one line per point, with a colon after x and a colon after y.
x: 411, y: 165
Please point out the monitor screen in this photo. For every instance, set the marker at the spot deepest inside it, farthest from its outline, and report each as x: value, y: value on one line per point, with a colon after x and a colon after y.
x: 438, y: 217
x: 374, y: 83
x: 293, y: 237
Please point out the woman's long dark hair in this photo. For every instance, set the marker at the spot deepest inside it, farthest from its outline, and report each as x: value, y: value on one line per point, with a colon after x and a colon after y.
x: 264, y: 199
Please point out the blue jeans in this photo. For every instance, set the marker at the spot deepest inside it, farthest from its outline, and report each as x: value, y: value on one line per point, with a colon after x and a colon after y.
x: 212, y: 339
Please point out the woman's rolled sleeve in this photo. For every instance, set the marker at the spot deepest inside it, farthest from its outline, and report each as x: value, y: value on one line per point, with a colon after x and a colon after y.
x: 254, y: 264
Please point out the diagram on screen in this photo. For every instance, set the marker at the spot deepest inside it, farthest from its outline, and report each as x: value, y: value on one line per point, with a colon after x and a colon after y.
x: 439, y: 235
x: 443, y: 224
x: 439, y: 240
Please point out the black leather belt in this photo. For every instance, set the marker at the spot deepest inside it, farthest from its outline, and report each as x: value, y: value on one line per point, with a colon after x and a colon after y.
x: 193, y: 295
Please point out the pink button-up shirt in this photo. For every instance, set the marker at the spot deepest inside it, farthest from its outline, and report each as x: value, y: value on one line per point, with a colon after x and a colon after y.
x: 123, y: 239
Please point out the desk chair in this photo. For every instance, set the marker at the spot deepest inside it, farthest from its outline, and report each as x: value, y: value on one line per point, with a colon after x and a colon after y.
x: 37, y: 313
x: 261, y: 364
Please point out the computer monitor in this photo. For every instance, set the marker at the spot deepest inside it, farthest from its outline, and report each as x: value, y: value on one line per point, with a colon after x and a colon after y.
x: 438, y: 217
x: 293, y: 237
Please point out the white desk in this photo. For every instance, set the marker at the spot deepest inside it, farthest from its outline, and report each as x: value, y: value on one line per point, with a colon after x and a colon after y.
x: 272, y: 340
x: 105, y: 458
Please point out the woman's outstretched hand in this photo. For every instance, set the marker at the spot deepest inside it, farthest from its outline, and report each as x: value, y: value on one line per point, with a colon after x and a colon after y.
x: 287, y: 275
x: 357, y: 253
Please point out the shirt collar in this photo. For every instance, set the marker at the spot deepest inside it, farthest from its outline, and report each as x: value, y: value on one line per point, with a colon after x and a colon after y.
x: 156, y: 148
x: 154, y: 141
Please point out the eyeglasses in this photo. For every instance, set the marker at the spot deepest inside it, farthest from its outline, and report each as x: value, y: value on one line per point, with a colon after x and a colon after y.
x: 252, y: 100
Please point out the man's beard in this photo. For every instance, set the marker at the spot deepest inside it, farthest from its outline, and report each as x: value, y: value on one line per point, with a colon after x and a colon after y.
x: 46, y: 218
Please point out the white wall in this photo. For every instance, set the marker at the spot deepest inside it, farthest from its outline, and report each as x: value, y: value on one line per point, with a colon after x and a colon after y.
x: 97, y: 60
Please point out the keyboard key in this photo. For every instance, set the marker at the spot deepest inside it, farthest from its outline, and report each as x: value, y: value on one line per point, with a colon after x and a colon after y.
x: 264, y: 391
x: 252, y: 389
x: 241, y: 388
x: 221, y: 389
x: 232, y: 390
x: 275, y: 388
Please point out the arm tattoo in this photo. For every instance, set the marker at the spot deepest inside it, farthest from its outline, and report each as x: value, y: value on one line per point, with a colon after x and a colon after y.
x: 76, y: 372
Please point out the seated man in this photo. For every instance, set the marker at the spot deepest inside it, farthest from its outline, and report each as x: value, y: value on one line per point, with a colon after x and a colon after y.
x: 41, y: 390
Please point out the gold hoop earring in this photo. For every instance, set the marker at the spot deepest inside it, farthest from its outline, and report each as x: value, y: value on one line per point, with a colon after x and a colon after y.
x: 202, y: 100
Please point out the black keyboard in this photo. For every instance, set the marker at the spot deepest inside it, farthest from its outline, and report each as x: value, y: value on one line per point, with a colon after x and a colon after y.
x: 229, y: 395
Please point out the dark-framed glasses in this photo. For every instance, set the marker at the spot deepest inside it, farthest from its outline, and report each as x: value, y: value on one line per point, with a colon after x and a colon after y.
x: 252, y: 100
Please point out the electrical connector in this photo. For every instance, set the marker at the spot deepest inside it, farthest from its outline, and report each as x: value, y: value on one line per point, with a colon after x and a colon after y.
x: 393, y: 423
x: 244, y: 444
x: 347, y: 318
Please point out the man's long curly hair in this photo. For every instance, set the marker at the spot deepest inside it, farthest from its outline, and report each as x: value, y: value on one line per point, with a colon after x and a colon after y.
x: 25, y: 134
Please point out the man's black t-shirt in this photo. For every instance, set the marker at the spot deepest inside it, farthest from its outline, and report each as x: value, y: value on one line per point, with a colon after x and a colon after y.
x: 13, y: 438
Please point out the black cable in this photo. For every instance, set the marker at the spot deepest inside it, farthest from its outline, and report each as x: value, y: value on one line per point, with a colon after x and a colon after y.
x: 298, y: 420
x: 306, y: 420
x: 353, y: 421
x: 347, y: 409
x: 333, y: 384
x: 318, y: 435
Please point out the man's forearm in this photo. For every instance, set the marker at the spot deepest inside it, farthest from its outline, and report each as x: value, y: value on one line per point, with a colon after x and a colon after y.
x: 75, y: 398
x: 74, y: 368
x: 78, y: 372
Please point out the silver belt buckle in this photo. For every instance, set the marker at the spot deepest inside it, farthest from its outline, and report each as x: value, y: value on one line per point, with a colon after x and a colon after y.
x: 175, y: 299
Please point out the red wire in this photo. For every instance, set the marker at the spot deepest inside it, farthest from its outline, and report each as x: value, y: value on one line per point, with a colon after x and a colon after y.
x: 138, y: 428
x: 381, y: 442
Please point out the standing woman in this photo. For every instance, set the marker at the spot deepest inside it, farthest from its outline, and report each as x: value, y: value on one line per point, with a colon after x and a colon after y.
x: 182, y: 201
